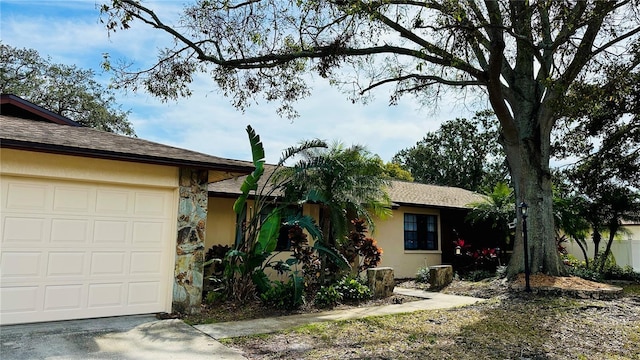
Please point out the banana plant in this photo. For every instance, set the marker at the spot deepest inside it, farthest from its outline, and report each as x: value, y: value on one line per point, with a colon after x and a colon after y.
x: 257, y: 233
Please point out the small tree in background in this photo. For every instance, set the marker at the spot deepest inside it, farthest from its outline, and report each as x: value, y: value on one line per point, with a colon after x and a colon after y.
x: 347, y: 183
x: 461, y: 153
x: 65, y: 90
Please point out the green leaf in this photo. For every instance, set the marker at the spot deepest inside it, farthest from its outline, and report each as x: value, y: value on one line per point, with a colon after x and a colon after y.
x: 268, y: 235
x: 250, y: 183
x: 314, y: 195
x: 261, y: 281
x: 257, y: 150
x: 298, y: 289
x: 331, y: 253
x: 307, y: 223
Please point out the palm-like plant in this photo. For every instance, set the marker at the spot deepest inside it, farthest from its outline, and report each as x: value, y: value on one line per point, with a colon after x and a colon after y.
x: 347, y: 183
x: 497, y: 209
x: 571, y: 215
x: 257, y: 235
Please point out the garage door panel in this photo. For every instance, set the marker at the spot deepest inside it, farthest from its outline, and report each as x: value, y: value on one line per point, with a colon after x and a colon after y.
x: 21, y: 299
x: 77, y: 249
x: 20, y: 265
x: 108, y: 263
x: 69, y: 231
x: 66, y: 263
x: 63, y: 297
x: 111, y: 231
x: 27, y: 196
x: 106, y: 295
x: 146, y: 263
x: 73, y: 199
x: 150, y: 204
x: 23, y: 229
x: 110, y: 202
x: 147, y: 233
x: 143, y: 293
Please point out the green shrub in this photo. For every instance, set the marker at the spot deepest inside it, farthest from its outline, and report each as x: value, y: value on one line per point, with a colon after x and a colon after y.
x: 352, y: 290
x: 478, y: 275
x: 611, y: 270
x: 621, y: 273
x: 282, y: 296
x: 587, y: 273
x: 215, y: 297
x: 327, y: 297
x: 423, y: 275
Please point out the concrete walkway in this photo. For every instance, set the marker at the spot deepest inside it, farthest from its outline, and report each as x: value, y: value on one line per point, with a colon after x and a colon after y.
x: 431, y: 301
x: 124, y: 337
x: 145, y: 337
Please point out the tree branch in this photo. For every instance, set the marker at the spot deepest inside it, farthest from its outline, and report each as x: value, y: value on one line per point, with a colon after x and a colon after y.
x: 435, y: 79
x: 494, y: 85
x: 446, y: 58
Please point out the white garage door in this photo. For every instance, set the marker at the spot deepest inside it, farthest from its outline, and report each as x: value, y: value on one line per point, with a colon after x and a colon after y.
x: 75, y: 250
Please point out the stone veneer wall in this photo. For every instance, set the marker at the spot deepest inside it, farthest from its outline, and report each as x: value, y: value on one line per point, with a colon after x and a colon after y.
x: 192, y: 220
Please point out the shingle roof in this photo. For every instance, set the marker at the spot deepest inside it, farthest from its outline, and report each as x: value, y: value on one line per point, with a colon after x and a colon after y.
x: 410, y: 193
x: 24, y: 134
x: 13, y: 105
x: 231, y: 187
x: 400, y: 192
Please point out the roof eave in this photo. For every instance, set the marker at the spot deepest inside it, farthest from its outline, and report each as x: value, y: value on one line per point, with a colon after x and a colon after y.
x: 399, y: 204
x: 233, y: 170
x: 38, y: 111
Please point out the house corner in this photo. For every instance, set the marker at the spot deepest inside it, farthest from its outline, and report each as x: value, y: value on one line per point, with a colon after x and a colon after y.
x: 192, y: 219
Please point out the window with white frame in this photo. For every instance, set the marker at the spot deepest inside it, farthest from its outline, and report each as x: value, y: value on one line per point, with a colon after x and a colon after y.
x: 420, y: 232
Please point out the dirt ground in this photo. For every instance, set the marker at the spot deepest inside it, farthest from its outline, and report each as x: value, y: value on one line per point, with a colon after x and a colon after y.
x: 232, y: 311
x: 513, y: 324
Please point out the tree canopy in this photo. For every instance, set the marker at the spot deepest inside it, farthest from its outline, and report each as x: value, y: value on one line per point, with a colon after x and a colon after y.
x: 601, y: 130
x: 461, y: 153
x: 63, y: 89
x: 523, y: 56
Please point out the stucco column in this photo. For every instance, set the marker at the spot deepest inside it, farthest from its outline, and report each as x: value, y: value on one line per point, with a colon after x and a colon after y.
x: 192, y: 220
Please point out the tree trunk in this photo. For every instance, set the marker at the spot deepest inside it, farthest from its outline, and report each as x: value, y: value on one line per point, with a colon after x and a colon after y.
x: 597, y: 236
x: 584, y: 252
x: 613, y: 230
x: 528, y: 157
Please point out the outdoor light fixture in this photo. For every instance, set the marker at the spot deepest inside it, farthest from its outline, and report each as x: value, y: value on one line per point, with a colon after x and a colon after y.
x: 458, y: 250
x: 527, y: 271
x: 523, y: 209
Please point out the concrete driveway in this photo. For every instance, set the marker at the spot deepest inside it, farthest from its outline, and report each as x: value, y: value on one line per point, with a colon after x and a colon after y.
x: 125, y: 337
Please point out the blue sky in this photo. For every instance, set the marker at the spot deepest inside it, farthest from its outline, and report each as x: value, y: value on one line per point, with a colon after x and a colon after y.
x: 69, y: 32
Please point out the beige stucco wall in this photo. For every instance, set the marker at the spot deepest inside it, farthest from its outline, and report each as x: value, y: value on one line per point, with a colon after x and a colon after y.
x: 221, y: 222
x: 37, y: 164
x: 389, y: 233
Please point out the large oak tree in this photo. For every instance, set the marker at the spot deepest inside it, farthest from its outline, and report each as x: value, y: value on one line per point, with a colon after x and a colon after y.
x: 522, y: 55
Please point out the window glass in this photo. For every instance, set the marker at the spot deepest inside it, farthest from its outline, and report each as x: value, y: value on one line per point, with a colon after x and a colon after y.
x: 420, y: 232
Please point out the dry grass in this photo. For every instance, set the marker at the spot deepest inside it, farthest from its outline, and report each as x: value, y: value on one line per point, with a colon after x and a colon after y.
x: 506, y: 327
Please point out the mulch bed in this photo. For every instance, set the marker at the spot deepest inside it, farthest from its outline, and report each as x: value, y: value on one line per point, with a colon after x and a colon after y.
x: 543, y: 284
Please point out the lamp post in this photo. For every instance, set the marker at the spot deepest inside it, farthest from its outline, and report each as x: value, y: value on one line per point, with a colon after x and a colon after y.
x: 523, y: 211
